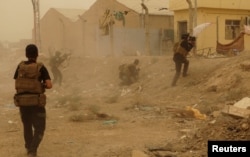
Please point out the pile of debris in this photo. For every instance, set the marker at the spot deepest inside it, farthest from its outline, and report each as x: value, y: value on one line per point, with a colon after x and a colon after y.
x: 231, y: 124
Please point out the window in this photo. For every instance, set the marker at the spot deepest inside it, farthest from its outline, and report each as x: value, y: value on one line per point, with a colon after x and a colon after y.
x: 232, y: 29
x: 168, y: 34
x: 247, y: 22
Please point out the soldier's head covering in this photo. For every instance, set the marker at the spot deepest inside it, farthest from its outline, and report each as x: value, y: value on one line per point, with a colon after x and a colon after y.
x: 58, y: 53
x: 31, y: 51
x: 136, y: 62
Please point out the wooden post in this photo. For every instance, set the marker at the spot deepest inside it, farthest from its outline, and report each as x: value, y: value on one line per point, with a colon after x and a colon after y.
x: 36, y: 12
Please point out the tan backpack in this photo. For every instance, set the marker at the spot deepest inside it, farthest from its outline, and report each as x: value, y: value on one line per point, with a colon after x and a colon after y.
x: 29, y: 89
x: 178, y: 49
x: 27, y: 80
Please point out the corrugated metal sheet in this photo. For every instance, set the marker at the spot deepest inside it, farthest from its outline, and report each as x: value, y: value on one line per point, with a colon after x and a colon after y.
x: 155, y: 7
x: 72, y: 14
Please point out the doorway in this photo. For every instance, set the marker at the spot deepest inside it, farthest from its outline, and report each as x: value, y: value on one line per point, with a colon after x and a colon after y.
x: 182, y: 28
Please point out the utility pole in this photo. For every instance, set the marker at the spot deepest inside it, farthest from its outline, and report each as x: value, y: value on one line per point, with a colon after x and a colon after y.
x: 195, y: 13
x: 142, y: 15
x: 147, y: 39
x: 195, y: 24
x: 192, y: 15
x: 36, y: 12
x: 191, y: 20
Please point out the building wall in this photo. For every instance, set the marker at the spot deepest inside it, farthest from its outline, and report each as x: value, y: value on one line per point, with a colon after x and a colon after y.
x: 219, y: 4
x: 75, y: 38
x: 92, y: 17
x: 161, y: 22
x: 60, y: 33
x: 84, y: 36
x: 216, y: 31
x: 133, y: 20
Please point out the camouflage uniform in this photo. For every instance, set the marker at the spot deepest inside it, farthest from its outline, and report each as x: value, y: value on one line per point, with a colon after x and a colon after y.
x: 55, y: 63
x: 129, y: 72
x: 30, y: 98
x: 180, y: 57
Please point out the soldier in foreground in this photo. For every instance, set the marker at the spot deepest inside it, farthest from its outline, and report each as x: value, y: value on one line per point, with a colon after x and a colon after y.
x: 31, y: 80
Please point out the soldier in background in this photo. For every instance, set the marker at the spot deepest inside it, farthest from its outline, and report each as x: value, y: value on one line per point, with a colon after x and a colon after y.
x: 55, y: 63
x: 129, y: 73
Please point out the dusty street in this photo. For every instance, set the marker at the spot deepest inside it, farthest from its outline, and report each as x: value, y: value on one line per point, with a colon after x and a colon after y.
x: 92, y: 115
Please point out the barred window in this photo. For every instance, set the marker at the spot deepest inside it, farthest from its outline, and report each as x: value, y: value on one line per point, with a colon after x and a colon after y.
x: 232, y: 29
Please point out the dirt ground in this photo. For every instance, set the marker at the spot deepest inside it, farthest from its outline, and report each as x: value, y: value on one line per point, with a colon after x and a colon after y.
x: 92, y: 115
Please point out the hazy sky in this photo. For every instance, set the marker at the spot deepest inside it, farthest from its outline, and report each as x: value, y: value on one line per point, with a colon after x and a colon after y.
x: 16, y: 16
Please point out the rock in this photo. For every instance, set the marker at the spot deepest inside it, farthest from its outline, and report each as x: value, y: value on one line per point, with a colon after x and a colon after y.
x: 212, y: 88
x: 243, y: 103
x: 216, y: 114
x: 185, y: 131
x: 244, y: 126
x: 236, y: 111
x: 166, y: 154
x: 138, y: 153
x: 212, y: 122
x: 153, y: 148
x: 245, y: 66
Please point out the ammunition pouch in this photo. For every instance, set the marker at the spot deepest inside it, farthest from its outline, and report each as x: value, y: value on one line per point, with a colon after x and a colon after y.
x: 30, y: 100
x: 24, y: 85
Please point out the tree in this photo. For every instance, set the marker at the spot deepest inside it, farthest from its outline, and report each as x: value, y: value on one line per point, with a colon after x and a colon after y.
x: 36, y: 13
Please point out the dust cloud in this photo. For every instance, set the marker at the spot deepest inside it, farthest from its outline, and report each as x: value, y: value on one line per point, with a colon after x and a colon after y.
x: 91, y: 109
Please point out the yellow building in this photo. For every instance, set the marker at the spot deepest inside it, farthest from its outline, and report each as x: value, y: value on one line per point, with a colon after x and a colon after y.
x: 227, y: 17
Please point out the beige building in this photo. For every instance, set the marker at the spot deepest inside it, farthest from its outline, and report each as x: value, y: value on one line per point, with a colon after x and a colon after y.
x: 123, y: 27
x: 227, y: 17
x: 110, y: 27
x: 61, y: 30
